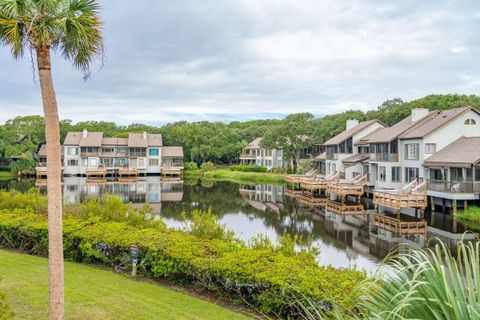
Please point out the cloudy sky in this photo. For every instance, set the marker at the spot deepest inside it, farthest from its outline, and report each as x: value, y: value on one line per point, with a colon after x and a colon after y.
x: 246, y: 59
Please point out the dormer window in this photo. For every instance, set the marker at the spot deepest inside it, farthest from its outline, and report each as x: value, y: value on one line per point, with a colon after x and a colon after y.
x: 470, y: 122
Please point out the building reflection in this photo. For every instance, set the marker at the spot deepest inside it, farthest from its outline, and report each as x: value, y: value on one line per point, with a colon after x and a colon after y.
x: 138, y: 191
x: 264, y: 197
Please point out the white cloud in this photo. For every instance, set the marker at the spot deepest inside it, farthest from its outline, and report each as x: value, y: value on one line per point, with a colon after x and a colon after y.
x: 252, y: 58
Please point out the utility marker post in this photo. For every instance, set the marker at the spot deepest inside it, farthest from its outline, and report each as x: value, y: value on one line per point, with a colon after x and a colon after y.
x: 134, y: 257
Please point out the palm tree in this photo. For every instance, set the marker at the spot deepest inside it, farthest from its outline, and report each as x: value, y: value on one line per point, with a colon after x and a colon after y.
x: 73, y: 28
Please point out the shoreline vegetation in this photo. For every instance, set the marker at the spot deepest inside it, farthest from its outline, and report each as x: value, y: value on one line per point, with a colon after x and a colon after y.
x: 5, y: 176
x: 261, y: 275
x: 232, y: 173
x: 93, y: 292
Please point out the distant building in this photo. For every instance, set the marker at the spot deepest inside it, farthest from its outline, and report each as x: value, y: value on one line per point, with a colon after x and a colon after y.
x: 87, y: 153
x: 255, y: 154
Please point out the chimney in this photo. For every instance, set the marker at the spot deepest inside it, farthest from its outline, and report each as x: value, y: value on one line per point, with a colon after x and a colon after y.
x: 144, y: 135
x: 85, y: 133
x: 418, y: 113
x: 351, y: 123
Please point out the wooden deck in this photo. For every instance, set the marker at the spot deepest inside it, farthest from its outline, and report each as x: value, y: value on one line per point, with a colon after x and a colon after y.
x: 96, y: 181
x: 172, y: 172
x: 98, y: 172
x: 413, y: 195
x: 400, y: 200
x: 128, y: 172
x: 315, y: 183
x: 41, y: 172
x: 345, y: 209
x: 293, y: 192
x: 354, y: 188
x: 294, y: 178
x: 312, y: 201
x: 401, y: 226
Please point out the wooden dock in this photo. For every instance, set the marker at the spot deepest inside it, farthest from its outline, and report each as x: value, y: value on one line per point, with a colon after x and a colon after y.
x: 312, y: 184
x: 404, y: 225
x: 413, y: 195
x: 354, y: 188
x: 128, y: 172
x: 41, y: 172
x: 98, y: 173
x: 344, y: 208
x: 312, y: 201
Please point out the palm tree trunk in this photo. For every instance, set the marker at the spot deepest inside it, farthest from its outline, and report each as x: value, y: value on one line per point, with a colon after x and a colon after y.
x: 54, y: 171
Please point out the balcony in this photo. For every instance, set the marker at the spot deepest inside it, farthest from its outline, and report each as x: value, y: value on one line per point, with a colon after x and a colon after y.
x: 384, y: 157
x: 454, y: 186
x: 247, y: 156
x: 332, y: 156
x: 138, y: 153
x: 89, y: 154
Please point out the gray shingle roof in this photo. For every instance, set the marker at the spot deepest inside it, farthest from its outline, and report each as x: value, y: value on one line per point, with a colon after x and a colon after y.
x: 356, y: 158
x: 173, y: 152
x: 463, y: 152
x: 384, y: 135
x: 255, y: 144
x: 136, y: 140
x: 339, y: 138
x: 434, y: 123
x: 93, y: 139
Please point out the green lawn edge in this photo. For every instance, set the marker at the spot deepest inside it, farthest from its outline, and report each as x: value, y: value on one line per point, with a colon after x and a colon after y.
x: 95, y: 293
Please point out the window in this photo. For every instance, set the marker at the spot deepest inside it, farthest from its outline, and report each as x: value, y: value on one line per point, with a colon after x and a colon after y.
x: 153, y: 162
x: 411, y: 151
x: 470, y: 122
x: 106, y: 162
x: 153, y: 152
x: 122, y: 150
x: 437, y: 174
x: 108, y: 149
x: 93, y: 162
x: 430, y: 148
x: 456, y: 174
x: 396, y: 174
x: 85, y: 162
x: 72, y: 162
x: 334, y: 168
x: 411, y: 174
x: 141, y: 162
x: 72, y: 151
x: 383, y: 173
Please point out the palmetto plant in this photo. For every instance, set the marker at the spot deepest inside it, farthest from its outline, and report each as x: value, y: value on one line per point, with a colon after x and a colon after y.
x: 73, y: 28
x: 420, y: 284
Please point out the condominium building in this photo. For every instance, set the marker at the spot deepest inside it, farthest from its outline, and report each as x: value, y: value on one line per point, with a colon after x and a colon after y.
x: 255, y: 154
x: 397, y: 153
x: 342, y: 155
x: 90, y: 152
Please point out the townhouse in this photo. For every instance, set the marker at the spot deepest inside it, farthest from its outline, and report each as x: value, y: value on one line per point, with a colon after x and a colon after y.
x: 343, y: 155
x: 255, y: 154
x: 397, y: 153
x: 90, y: 153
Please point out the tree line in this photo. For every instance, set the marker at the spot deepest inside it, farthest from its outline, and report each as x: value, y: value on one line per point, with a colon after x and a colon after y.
x: 222, y: 142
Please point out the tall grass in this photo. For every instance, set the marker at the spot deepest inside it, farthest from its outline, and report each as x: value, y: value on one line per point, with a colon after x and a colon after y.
x: 420, y: 284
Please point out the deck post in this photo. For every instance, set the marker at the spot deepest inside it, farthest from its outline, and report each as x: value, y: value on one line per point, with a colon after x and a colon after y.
x: 454, y: 207
x: 432, y: 203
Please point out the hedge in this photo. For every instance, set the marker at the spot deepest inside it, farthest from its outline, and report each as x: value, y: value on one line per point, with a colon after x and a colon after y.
x: 260, y: 276
x: 247, y: 168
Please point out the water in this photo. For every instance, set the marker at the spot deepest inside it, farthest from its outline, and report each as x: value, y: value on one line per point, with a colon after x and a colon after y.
x: 249, y: 210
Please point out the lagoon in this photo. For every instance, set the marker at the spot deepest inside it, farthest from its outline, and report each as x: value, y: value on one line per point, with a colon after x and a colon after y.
x: 252, y: 209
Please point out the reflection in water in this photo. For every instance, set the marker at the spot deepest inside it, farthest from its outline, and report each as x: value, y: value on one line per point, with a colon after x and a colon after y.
x: 347, y: 232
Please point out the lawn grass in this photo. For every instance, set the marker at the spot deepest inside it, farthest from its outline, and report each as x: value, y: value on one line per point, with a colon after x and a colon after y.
x: 93, y: 293
x: 5, y: 176
x: 470, y: 217
x: 242, y: 177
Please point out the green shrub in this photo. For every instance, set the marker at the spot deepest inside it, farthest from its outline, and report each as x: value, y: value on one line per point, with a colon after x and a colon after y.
x: 248, y: 168
x: 289, y: 170
x: 262, y: 276
x: 208, y: 166
x: 190, y: 166
x: 279, y: 170
x: 206, y: 225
